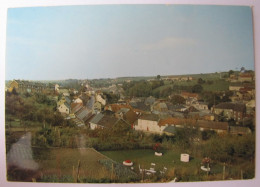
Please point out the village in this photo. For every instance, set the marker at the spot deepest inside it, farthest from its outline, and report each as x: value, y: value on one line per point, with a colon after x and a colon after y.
x: 119, y: 107
x: 156, y: 115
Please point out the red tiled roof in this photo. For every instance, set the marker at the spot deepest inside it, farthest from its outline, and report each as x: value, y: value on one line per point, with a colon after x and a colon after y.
x: 187, y: 94
x: 176, y: 121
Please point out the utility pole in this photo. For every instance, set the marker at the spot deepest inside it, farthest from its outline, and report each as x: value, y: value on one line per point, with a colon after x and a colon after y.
x: 78, y: 171
x: 224, y: 170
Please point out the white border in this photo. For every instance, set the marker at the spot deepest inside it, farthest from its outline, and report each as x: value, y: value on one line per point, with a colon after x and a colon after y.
x: 5, y: 4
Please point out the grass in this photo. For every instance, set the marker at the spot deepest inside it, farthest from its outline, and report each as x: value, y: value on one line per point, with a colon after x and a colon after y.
x: 171, y: 159
x: 62, y: 161
x: 218, y: 85
x: 146, y: 157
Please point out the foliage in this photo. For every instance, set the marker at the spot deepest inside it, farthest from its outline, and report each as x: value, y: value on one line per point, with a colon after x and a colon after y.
x: 201, y: 81
x: 177, y: 99
x: 197, y: 88
x: 111, y: 98
x: 122, y: 172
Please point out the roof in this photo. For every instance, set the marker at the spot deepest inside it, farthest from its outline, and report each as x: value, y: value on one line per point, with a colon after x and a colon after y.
x: 149, y: 100
x: 150, y: 117
x: 67, y: 99
x: 170, y: 129
x: 232, y: 106
x: 117, y: 107
x: 213, y: 125
x: 97, y: 118
x: 104, y: 120
x: 76, y: 107
x: 123, y: 110
x: 162, y: 105
x: 67, y: 104
x: 176, y: 121
x: 83, y: 114
x: 188, y: 94
x: 140, y: 106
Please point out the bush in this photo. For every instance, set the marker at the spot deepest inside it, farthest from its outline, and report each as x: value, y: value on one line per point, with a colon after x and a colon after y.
x: 123, y: 173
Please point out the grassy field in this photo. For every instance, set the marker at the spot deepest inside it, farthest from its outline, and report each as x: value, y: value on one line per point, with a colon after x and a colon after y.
x: 61, y: 162
x: 218, y: 85
x: 170, y: 160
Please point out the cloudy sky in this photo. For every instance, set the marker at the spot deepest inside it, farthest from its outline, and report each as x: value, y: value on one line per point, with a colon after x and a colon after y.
x: 108, y: 41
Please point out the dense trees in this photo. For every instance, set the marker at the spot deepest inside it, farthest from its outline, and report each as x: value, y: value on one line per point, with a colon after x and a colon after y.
x: 111, y: 98
x: 197, y: 88
x: 34, y: 107
x: 177, y: 99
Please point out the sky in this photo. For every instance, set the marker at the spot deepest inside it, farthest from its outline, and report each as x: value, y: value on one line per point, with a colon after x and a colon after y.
x: 109, y: 41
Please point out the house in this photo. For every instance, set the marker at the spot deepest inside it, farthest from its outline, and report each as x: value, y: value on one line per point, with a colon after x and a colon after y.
x: 64, y: 108
x: 178, y: 108
x: 97, y: 107
x: 219, y: 127
x: 245, y: 77
x: 64, y: 92
x: 235, y: 86
x: 101, y: 121
x: 201, y: 105
x: 116, y: 107
x: 177, y: 122
x: 56, y: 88
x: 191, y: 101
x: 126, y: 114
x: 149, y: 123
x: 250, y: 106
x: 75, y: 107
x: 83, y: 114
x: 149, y: 101
x: 160, y: 107
x: 234, y: 111
x: 100, y: 98
x: 140, y: 106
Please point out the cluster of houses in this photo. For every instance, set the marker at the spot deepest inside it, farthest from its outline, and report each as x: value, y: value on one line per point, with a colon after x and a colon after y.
x: 153, y: 115
x: 27, y: 86
x: 242, y: 77
x: 149, y: 114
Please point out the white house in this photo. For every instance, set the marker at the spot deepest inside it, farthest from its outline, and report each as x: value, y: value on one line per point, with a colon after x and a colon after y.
x: 149, y: 123
x: 64, y: 108
x: 56, y: 87
x: 101, y: 99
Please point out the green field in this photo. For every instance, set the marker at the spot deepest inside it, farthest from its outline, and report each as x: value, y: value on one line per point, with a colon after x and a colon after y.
x: 171, y: 160
x: 64, y: 162
x: 218, y: 85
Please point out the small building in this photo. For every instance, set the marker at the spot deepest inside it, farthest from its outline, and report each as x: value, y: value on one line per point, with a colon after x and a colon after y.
x: 160, y: 107
x: 149, y: 123
x: 64, y: 108
x: 100, y: 98
x: 234, y: 111
x: 101, y: 121
x: 97, y: 107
